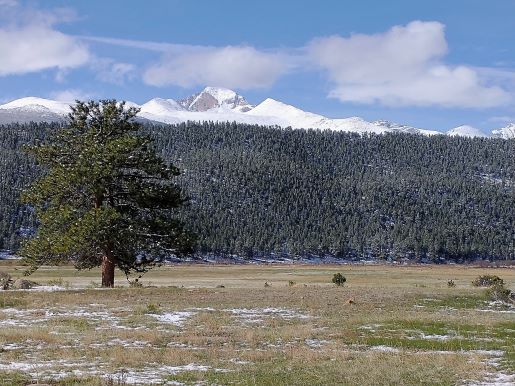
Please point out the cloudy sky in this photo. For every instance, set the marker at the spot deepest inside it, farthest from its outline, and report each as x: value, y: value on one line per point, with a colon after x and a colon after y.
x: 433, y: 64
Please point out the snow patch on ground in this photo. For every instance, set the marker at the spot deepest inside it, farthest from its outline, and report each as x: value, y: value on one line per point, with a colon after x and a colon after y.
x: 257, y: 315
x: 498, y: 307
x: 382, y: 348
x: 155, y: 374
x: 60, y: 369
x: 496, y: 379
x: 439, y: 337
x: 41, y: 288
x: 370, y: 327
x: 176, y: 318
x: 316, y: 343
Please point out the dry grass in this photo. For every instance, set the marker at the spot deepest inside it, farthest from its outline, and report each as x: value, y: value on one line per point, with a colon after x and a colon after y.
x: 246, y: 333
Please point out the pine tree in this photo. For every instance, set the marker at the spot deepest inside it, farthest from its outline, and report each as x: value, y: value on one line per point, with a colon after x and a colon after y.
x: 107, y: 199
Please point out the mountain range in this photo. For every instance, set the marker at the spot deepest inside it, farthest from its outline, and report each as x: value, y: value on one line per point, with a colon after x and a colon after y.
x: 220, y: 104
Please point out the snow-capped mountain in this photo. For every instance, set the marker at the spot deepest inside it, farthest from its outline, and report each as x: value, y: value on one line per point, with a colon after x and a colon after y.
x: 507, y: 132
x: 220, y: 104
x: 215, y: 97
x: 33, y: 103
x: 466, y: 131
x: 33, y: 110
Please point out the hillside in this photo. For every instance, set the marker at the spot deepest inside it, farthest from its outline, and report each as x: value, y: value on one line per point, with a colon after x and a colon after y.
x: 257, y: 191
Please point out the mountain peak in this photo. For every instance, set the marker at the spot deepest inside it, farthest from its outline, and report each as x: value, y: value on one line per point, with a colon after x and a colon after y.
x: 215, y: 97
x: 506, y: 132
x: 466, y: 131
x: 159, y: 106
x: 35, y: 103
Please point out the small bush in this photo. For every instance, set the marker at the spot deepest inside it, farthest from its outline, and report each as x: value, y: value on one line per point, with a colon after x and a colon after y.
x: 451, y: 284
x: 135, y: 283
x: 94, y: 284
x: 60, y: 283
x: 339, y: 279
x: 499, y: 292
x: 291, y: 283
x: 152, y: 308
x: 6, y: 281
x: 487, y: 281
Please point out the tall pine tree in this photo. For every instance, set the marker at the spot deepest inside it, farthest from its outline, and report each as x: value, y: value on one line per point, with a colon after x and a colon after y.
x: 107, y: 198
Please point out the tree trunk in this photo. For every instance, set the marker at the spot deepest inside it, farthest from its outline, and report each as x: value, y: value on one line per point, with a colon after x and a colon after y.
x: 108, y: 260
x: 108, y: 265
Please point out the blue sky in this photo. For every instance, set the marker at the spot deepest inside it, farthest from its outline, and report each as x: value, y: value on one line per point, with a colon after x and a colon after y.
x: 432, y: 64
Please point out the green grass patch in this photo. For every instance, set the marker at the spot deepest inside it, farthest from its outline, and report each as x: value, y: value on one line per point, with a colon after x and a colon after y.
x: 14, y: 379
x: 458, y: 302
x: 441, y: 336
x: 77, y: 324
x: 7, y: 300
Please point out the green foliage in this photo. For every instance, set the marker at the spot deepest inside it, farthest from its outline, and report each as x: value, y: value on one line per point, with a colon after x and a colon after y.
x: 135, y: 283
x: 256, y: 191
x: 497, y: 292
x: 339, y: 279
x: 152, y: 308
x: 105, y: 193
x: 487, y: 281
x: 6, y: 281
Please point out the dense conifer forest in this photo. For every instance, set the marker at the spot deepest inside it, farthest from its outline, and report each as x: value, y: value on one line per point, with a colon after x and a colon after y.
x: 257, y: 191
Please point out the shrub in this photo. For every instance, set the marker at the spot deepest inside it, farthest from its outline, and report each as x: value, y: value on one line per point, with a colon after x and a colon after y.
x: 152, y: 308
x: 339, y: 279
x: 487, y: 281
x: 291, y: 283
x: 499, y: 292
x: 6, y: 281
x: 60, y: 283
x: 135, y: 283
x: 451, y: 284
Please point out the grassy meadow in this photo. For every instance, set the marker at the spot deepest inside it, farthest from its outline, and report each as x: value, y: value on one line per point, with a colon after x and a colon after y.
x: 259, y: 325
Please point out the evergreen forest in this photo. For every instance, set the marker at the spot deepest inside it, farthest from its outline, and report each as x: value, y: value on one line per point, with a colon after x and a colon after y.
x: 259, y: 192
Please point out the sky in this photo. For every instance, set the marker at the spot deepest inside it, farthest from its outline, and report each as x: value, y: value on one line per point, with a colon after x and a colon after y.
x: 429, y: 64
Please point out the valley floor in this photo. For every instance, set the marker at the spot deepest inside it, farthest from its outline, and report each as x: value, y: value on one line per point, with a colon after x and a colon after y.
x: 203, y: 324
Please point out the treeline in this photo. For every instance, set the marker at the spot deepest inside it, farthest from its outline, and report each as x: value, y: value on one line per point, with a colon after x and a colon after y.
x: 256, y: 191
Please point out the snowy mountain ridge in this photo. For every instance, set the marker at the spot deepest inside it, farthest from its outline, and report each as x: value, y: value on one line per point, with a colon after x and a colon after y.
x: 220, y: 104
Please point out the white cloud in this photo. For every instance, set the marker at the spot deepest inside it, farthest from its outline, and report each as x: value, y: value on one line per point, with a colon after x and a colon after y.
x: 503, y: 118
x: 140, y: 44
x: 8, y: 3
x: 71, y: 95
x: 110, y: 71
x: 240, y: 67
x: 402, y: 67
x: 31, y: 43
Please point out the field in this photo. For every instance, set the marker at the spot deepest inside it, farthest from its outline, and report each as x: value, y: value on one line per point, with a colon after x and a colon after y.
x: 259, y: 325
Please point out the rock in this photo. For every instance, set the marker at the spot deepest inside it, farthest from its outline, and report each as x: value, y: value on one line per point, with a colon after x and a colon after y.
x: 24, y: 284
x: 5, y: 280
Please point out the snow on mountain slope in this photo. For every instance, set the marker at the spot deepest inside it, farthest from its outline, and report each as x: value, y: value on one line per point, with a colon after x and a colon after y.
x: 158, y: 106
x: 34, y: 114
x: 507, y: 132
x: 466, y: 131
x: 289, y: 115
x: 392, y: 126
x: 34, y: 103
x: 297, y: 118
x: 222, y: 105
x: 215, y: 97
